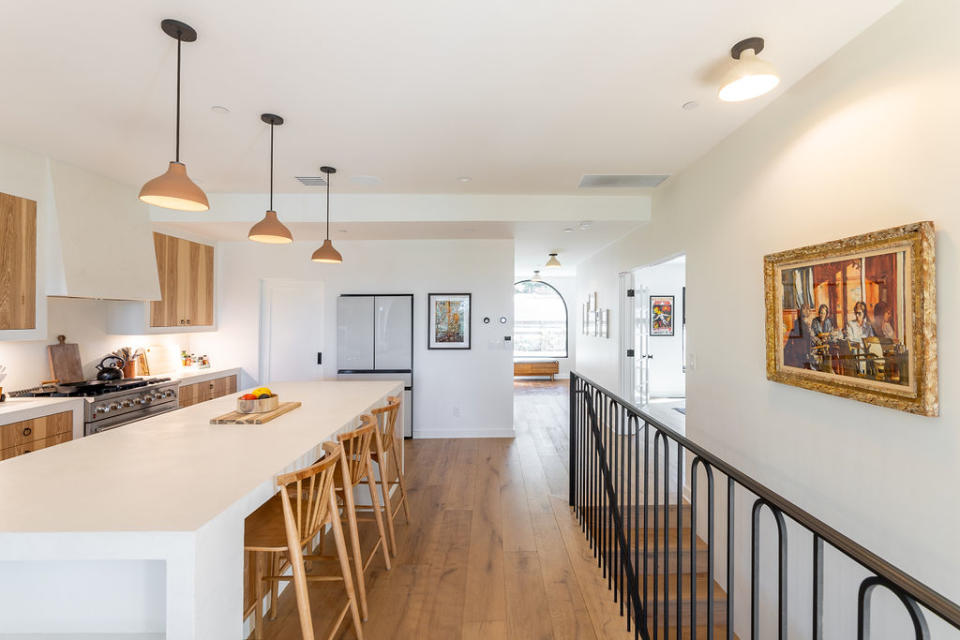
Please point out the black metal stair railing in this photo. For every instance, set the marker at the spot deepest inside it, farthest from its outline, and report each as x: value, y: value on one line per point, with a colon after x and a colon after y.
x: 611, y: 442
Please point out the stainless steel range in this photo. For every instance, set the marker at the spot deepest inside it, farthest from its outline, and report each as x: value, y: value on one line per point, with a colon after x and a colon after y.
x: 114, y: 403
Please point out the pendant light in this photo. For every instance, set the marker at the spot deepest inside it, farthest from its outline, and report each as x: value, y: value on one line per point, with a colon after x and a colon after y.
x: 552, y: 263
x: 536, y: 275
x: 174, y: 189
x: 270, y: 230
x: 326, y: 252
x: 751, y: 77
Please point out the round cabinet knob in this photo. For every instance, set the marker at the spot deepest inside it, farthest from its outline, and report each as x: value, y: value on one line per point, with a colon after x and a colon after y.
x: 27, y: 431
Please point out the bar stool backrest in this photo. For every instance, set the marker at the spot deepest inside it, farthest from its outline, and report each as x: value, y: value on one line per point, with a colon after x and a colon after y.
x: 387, y: 420
x: 356, y: 446
x: 306, y: 495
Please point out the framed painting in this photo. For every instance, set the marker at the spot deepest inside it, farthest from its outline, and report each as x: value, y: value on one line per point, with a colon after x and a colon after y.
x: 857, y: 318
x: 449, y: 318
x: 661, y: 315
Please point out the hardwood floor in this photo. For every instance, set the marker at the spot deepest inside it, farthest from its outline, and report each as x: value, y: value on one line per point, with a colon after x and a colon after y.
x: 493, y: 551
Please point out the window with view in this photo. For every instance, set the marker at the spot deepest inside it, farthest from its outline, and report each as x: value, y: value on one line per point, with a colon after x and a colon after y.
x: 539, y: 321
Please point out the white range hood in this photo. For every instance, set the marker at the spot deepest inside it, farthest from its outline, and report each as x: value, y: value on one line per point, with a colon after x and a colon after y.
x: 100, y: 242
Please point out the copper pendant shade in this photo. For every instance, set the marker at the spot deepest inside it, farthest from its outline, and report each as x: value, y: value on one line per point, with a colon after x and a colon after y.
x: 270, y: 230
x: 326, y: 253
x: 174, y: 189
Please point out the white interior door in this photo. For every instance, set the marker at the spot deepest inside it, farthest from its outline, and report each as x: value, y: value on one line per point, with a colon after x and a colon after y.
x: 642, y: 339
x: 291, y: 330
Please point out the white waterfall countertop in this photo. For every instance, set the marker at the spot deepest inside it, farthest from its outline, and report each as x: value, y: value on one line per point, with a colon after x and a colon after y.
x: 172, y: 488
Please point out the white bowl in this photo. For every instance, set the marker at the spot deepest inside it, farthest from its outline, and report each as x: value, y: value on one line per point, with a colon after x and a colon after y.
x: 258, y: 406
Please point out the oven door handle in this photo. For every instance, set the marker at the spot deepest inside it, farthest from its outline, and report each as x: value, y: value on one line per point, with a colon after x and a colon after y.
x: 122, y: 420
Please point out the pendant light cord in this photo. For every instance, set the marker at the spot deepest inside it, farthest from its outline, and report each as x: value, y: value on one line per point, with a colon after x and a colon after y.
x: 328, y: 205
x: 178, y: 95
x: 271, y: 165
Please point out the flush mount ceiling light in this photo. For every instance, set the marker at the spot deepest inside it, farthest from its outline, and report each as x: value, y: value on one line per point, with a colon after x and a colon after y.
x: 174, y: 189
x: 750, y: 76
x: 552, y: 263
x: 270, y: 230
x: 326, y: 252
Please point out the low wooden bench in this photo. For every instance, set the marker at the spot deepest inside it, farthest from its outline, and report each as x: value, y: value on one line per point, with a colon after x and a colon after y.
x: 536, y: 368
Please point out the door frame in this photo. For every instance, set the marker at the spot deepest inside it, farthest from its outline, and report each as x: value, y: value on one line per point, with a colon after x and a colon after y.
x: 267, y: 287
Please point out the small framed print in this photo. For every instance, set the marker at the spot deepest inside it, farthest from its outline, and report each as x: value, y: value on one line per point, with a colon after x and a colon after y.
x: 605, y: 323
x: 661, y: 315
x: 449, y: 319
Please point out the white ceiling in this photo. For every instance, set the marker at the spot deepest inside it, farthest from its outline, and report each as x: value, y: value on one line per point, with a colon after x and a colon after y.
x: 533, y: 241
x: 524, y: 97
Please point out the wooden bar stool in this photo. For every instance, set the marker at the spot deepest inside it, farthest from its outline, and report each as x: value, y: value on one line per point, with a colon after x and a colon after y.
x: 356, y: 447
x: 387, y: 456
x: 287, y: 523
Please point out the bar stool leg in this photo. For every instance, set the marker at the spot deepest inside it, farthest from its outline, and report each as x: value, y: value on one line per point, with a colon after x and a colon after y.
x: 275, y: 562
x: 376, y: 511
x: 258, y: 571
x: 295, y: 555
x: 383, y: 465
x: 345, y: 566
x: 350, y: 511
x: 403, y: 485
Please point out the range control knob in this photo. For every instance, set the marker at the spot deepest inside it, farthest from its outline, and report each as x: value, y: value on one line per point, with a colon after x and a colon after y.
x: 157, y: 395
x: 168, y: 394
x: 114, y: 406
x: 147, y: 399
x: 102, y: 409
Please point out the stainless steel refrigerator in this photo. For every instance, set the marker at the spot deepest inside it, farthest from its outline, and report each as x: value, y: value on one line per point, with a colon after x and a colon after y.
x: 375, y: 341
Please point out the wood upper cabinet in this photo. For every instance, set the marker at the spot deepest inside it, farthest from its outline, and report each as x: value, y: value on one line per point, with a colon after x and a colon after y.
x: 18, y: 262
x: 186, y: 283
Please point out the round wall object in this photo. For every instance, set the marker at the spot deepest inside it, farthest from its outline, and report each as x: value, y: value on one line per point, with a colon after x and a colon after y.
x: 503, y: 319
x: 486, y: 319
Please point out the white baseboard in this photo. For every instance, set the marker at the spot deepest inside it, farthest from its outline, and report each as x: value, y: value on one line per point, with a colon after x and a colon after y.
x: 423, y: 434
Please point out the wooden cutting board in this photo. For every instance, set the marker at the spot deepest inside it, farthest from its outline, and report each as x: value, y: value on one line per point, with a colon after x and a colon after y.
x: 65, y: 364
x: 235, y: 417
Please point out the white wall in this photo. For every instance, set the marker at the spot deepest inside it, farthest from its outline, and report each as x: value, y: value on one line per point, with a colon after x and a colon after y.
x: 457, y: 393
x: 868, y: 140
x: 666, y: 364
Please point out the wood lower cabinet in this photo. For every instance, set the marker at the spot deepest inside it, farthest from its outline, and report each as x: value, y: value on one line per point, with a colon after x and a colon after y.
x: 22, y: 437
x: 18, y: 263
x: 191, y: 394
x: 185, y: 269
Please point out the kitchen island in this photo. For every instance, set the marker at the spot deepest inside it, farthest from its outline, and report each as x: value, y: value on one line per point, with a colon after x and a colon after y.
x: 139, y: 530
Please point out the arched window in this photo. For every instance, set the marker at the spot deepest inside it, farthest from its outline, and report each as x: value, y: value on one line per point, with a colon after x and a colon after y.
x: 539, y: 321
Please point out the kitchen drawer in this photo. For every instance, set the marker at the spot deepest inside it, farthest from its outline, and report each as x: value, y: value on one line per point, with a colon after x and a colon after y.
x: 35, y: 445
x: 27, y: 431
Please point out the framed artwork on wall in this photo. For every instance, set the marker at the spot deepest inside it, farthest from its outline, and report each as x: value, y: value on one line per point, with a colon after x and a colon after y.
x: 857, y: 318
x: 605, y: 323
x: 661, y: 315
x: 449, y: 318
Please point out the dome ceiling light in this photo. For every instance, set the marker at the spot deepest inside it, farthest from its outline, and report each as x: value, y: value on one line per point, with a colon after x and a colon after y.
x: 174, y: 189
x: 326, y: 253
x: 750, y: 77
x: 270, y: 230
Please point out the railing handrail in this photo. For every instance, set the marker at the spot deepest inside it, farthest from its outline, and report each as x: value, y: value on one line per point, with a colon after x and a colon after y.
x: 937, y: 603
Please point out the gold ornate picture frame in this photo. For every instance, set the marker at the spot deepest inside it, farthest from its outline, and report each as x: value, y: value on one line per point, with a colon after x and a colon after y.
x: 857, y: 318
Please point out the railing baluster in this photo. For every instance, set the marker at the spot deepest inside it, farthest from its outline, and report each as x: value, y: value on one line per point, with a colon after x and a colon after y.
x: 697, y: 461
x: 817, y: 626
x: 755, y: 571
x: 631, y: 525
x: 646, y: 513
x: 920, y: 630
x: 680, y: 536
x: 730, y: 567
x: 656, y: 534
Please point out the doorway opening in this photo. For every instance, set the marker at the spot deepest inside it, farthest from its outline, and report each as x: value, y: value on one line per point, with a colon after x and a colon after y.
x: 660, y: 338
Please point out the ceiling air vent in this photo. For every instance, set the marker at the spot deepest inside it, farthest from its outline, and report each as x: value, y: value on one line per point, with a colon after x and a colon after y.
x: 312, y: 181
x: 590, y: 181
